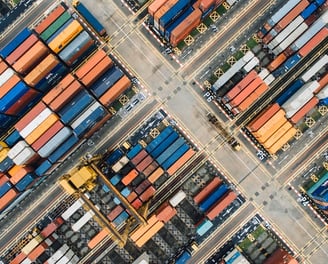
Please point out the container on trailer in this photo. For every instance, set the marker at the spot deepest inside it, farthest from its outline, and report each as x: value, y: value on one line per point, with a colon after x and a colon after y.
x: 63, y: 149
x: 152, y: 167
x: 98, y: 238
x: 315, y: 67
x: 127, y: 179
x: 177, y: 198
x: 313, y: 42
x: 282, y: 141
x: 147, y: 194
x: 15, y: 42
x: 276, y: 135
x: 155, y: 175
x: 204, y: 227
x: 165, y: 213
x: 287, y: 93
x: 45, y: 23
x: 115, y: 179
x: 180, y: 161
x: 209, y: 188
x: 91, y: 62
x: 149, y: 234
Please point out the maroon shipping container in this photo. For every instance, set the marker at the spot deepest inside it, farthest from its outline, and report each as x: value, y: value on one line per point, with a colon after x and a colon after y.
x: 221, y: 205
x: 21, y: 49
x: 207, y: 190
x: 144, y: 163
x: 115, y: 212
x: 43, y: 139
x: 22, y: 102
x: 150, y: 169
x: 142, y: 186
x: 137, y: 203
x: 26, y: 119
x: 165, y: 213
x: 147, y: 194
x: 131, y: 197
x: 141, y: 155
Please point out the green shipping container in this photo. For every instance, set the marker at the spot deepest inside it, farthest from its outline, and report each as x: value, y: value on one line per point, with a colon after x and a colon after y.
x: 55, y: 26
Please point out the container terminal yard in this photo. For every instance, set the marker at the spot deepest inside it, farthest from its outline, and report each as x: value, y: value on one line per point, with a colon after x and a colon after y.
x: 164, y: 131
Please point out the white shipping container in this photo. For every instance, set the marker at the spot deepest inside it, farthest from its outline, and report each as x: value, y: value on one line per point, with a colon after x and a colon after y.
x: 231, y: 2
x: 82, y: 221
x: 285, y: 32
x: 65, y: 259
x: 4, y: 77
x: 48, y: 241
x: 120, y: 164
x: 269, y: 79
x: 26, y: 261
x: 85, y: 115
x: 315, y: 68
x: 177, y: 198
x: 18, y: 148
x: 54, y: 142
x: 74, y: 260
x: 25, y: 156
x: 264, y: 73
x: 284, y: 10
x: 323, y: 93
x: 72, y: 209
x: 58, y: 254
x: 251, y: 64
x: 248, y: 56
x: 35, y: 122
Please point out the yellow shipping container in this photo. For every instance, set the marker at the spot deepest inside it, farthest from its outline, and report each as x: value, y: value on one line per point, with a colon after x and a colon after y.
x: 270, y: 123
x: 32, y: 244
x: 3, y: 145
x: 3, y: 153
x: 149, y: 234
x: 278, y: 134
x: 275, y: 127
x: 80, y: 177
x: 41, y: 129
x: 282, y: 141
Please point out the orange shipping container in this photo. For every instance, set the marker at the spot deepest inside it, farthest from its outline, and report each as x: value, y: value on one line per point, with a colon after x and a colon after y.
x: 213, y: 184
x: 240, y: 86
x: 6, y: 87
x: 246, y: 92
x: 278, y: 134
x: 304, y: 110
x: 206, y: 4
x: 127, y: 179
x: 26, y: 119
x: 163, y: 9
x: 276, y: 62
x: 58, y: 89
x: 3, y: 178
x: 147, y: 194
x: 97, y: 71
x: 322, y: 83
x: 271, y: 126
x: 156, y: 174
x: 41, y: 129
x: 137, y: 203
x: 149, y: 234
x: 313, y: 42
x: 263, y: 117
x: 155, y: 5
x: 18, y: 259
x: 165, y: 213
x: 178, y: 164
x: 20, y: 172
x: 221, y: 205
x: 282, y: 141
x: 3, y: 66
x: 142, y: 229
x: 131, y: 196
x: 65, y: 96
x: 6, y: 199
x: 246, y: 103
x: 31, y: 58
x: 276, y: 126
x: 92, y: 61
x: 185, y: 27
x: 115, y: 212
x: 21, y: 49
x: 44, y: 24
x: 115, y: 91
x: 98, y: 238
x: 41, y: 70
x: 35, y: 253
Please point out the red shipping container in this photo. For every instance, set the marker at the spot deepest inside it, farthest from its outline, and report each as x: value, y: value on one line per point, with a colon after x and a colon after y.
x: 142, y: 186
x: 18, y: 259
x: 35, y: 253
x: 165, y: 213
x: 3, y: 66
x: 221, y: 205
x: 44, y: 24
x: 49, y: 229
x: 131, y: 197
x: 26, y: 119
x: 150, y: 168
x: 147, y: 194
x: 246, y: 92
x: 137, y: 203
x: 210, y: 187
x: 8, y: 85
x: 206, y: 5
x: 313, y: 42
x: 44, y: 138
x: 304, y: 110
x: 22, y: 102
x: 92, y: 61
x: 263, y: 117
x: 144, y: 163
x: 137, y: 159
x: 115, y: 212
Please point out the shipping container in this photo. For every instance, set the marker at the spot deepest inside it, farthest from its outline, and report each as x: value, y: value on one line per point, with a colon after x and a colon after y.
x: 120, y: 164
x: 204, y: 227
x: 129, y: 177
x: 114, y: 157
x: 18, y: 172
x: 149, y: 234
x: 155, y: 175
x: 251, y: 64
x: 52, y: 227
x: 289, y: 91
x: 176, y: 155
x: 209, y: 188
x: 18, y: 258
x: 134, y: 151
x: 7, y: 198
x: 32, y: 244
x: 97, y: 71
x: 165, y: 213
x: 170, y: 150
x: 43, y: 168
x: 180, y: 32
x: 90, y: 18
x: 21, y: 49
x: 12, y: 138
x: 27, y: 156
x: 15, y: 42
x: 147, y: 194
x: 4, y: 77
x: 308, y: 11
x: 280, y: 59
x: 142, y: 186
x: 315, y: 67
x: 137, y: 203
x: 82, y: 221
x: 180, y: 161
x: 276, y: 135
x: 282, y: 141
x: 15, y: 150
x: 58, y: 254
x: 50, y: 19
x: 31, y: 58
x: 115, y: 179
x: 121, y: 218
x: 152, y: 167
x: 5, y: 187
x: 91, y: 62
x: 141, y: 229
x: 270, y: 124
x: 107, y: 81
x: 125, y: 192
x: 173, y: 136
x: 63, y: 149
x: 155, y: 5
x: 66, y: 258
x: 313, y: 42
x: 177, y: 198
x: 66, y: 36
x: 139, y: 157
x: 6, y: 164
x: 183, y: 258
x: 7, y: 101
x: 158, y: 140
x: 56, y: 27
x: 98, y: 238
x: 213, y: 197
x: 144, y: 163
x: 161, y: 11
x: 131, y: 197
x: 115, y: 91
x: 115, y: 212
x: 25, y: 183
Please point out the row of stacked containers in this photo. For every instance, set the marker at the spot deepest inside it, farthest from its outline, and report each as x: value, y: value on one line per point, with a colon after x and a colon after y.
x: 290, y: 35
x: 51, y: 109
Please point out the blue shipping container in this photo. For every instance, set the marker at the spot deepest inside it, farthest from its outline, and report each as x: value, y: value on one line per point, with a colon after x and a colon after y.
x: 121, y: 218
x: 63, y: 149
x: 115, y: 179
x: 208, y: 11
x: 170, y: 150
x: 177, y: 22
x: 173, y: 13
x: 164, y: 145
x: 13, y: 138
x: 75, y: 107
x: 106, y: 81
x: 178, y: 154
x: 158, y: 140
x: 6, y: 164
x: 323, y: 101
x: 203, y: 228
x: 114, y: 157
x: 4, y: 188
x: 134, y: 151
x: 90, y: 121
x: 213, y: 198
x: 13, y: 96
x: 320, y: 2
x: 308, y: 11
x: 24, y: 183
x: 6, y: 121
x: 42, y: 169
x: 183, y: 258
x: 98, y: 27
x: 285, y: 95
x: 59, y: 30
x: 15, y: 42
x: 52, y: 78
x: 125, y: 192
x: 291, y: 62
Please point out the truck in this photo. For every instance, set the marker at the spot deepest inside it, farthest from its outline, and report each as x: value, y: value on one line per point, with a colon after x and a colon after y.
x: 232, y: 141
